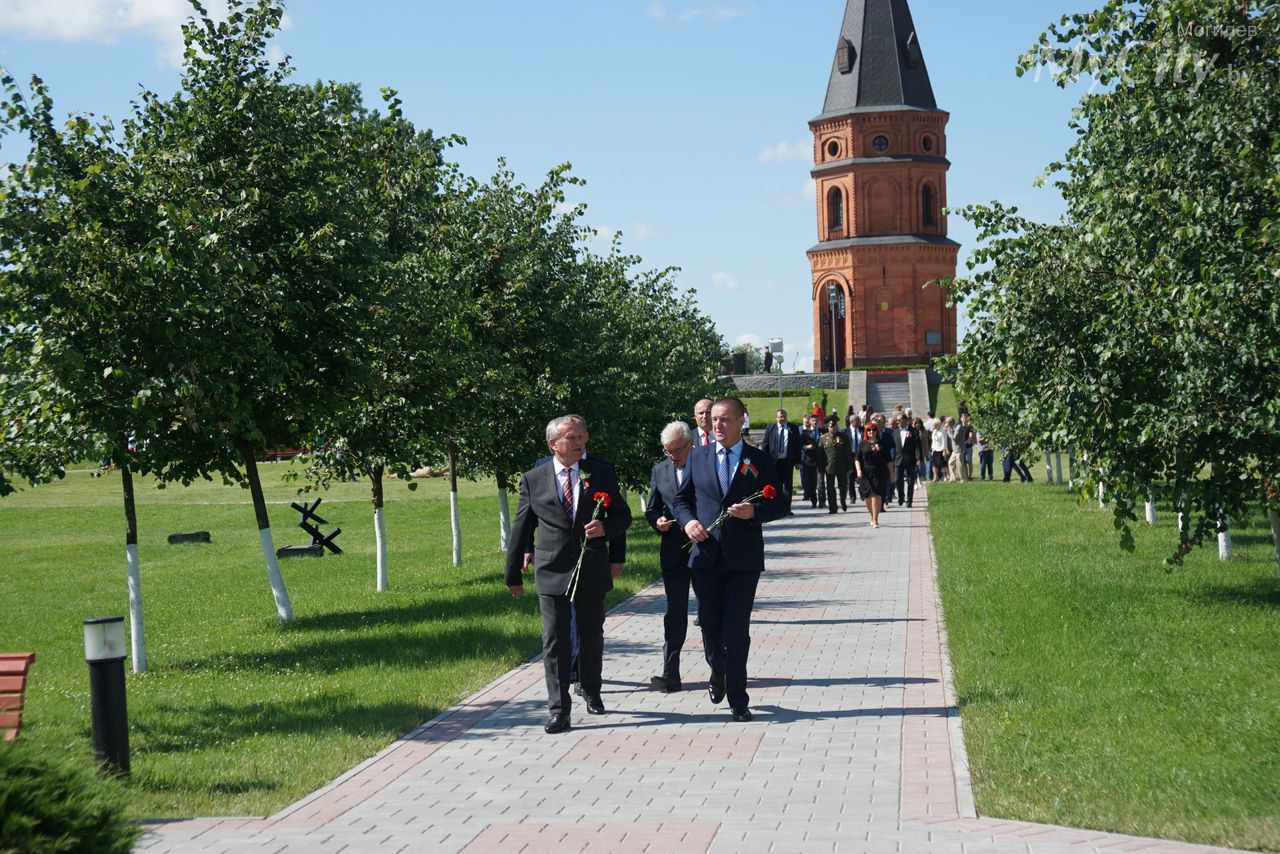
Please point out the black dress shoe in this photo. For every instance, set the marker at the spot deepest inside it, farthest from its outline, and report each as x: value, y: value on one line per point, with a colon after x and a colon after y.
x: 716, y: 688
x: 665, y: 684
x: 742, y: 716
x: 557, y: 723
x: 595, y: 706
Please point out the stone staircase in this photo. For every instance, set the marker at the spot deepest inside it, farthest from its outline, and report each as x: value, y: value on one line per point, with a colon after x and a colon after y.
x: 884, y: 396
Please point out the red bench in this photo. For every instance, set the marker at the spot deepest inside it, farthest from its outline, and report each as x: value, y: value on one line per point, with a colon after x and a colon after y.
x: 13, y: 684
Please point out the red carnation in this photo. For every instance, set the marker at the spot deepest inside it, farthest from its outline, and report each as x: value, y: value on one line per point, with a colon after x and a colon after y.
x: 769, y: 492
x: 602, y: 498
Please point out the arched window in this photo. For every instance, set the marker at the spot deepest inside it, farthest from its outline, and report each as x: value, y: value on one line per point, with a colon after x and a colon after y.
x: 926, y: 205
x: 835, y: 209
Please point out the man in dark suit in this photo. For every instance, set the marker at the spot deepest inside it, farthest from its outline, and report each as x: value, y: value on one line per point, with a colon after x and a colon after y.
x: 782, y: 440
x: 727, y: 561
x: 617, y: 561
x: 665, y: 481
x: 560, y: 499
x: 909, y: 452
x: 702, y: 423
x: 809, y: 454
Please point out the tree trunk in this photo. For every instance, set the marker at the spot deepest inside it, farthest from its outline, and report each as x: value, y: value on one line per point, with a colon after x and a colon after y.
x: 1071, y: 468
x: 379, y: 528
x: 1275, y: 533
x: 504, y: 513
x: 1057, y: 459
x: 1184, y: 525
x: 137, y: 637
x: 1048, y: 467
x: 1151, y: 512
x: 283, y: 607
x: 455, y: 521
x: 1102, y: 496
x: 1224, y: 538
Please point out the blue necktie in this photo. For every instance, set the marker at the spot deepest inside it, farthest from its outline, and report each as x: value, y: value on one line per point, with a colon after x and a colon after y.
x: 724, y: 471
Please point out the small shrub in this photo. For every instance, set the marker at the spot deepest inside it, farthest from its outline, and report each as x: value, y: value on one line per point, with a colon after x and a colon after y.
x: 51, y: 805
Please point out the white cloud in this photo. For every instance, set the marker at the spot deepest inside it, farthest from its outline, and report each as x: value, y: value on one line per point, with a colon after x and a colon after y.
x: 713, y: 13
x: 785, y: 151
x: 657, y: 11
x: 644, y: 231
x: 108, y: 21
x: 604, y: 234
x: 725, y: 282
x: 749, y: 338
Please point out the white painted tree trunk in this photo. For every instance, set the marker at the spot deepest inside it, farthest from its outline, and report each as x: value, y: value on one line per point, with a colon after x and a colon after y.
x: 1151, y: 512
x: 1224, y: 539
x: 1057, y: 460
x: 137, y: 638
x: 1102, y: 496
x: 1048, y: 468
x: 504, y: 518
x: 1071, y: 468
x: 284, y: 609
x: 380, y: 540
x: 1275, y: 534
x: 455, y: 522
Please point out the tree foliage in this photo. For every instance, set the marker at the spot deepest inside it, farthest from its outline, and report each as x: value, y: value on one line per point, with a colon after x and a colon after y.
x: 1142, y: 330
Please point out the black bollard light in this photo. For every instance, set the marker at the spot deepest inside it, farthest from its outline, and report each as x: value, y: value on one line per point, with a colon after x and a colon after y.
x: 104, y: 650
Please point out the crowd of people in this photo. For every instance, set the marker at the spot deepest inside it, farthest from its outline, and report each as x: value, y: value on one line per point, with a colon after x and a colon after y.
x: 708, y: 499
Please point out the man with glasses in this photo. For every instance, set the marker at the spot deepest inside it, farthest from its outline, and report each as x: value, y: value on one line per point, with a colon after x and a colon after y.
x: 665, y: 481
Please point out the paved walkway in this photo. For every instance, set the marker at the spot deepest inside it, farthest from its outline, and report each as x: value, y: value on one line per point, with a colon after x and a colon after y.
x: 855, y: 744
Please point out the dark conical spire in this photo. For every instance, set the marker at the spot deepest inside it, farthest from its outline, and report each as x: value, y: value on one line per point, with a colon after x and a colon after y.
x: 878, y: 63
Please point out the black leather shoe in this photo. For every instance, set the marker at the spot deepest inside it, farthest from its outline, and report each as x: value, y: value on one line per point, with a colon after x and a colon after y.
x: 716, y: 688
x: 595, y: 706
x: 557, y: 723
x: 742, y: 716
x: 665, y: 684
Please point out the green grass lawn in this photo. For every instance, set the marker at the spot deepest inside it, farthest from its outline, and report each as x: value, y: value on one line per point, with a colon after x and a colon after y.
x: 1096, y: 689
x: 942, y: 400
x: 239, y: 715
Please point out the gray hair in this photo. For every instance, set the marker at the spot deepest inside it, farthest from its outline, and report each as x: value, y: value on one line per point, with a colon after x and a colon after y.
x: 556, y: 425
x: 676, y: 430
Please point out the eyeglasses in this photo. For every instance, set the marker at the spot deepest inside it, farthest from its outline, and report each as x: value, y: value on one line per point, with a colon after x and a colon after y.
x: 677, y: 451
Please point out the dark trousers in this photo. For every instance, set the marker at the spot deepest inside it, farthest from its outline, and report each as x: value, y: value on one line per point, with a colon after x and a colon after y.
x: 1012, y: 464
x: 557, y: 646
x: 809, y: 483
x: 725, y: 600
x: 786, y: 475
x: 907, y: 473
x: 986, y: 460
x: 836, y: 480
x: 675, y: 623
x: 939, y: 466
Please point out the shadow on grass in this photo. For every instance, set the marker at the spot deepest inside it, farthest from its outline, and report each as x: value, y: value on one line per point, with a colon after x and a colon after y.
x: 1260, y: 593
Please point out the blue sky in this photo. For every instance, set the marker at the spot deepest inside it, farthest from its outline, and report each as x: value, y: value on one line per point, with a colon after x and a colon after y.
x: 687, y: 118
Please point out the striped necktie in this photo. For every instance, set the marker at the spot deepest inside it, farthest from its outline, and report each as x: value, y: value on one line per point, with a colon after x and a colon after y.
x: 724, y: 471
x: 566, y: 492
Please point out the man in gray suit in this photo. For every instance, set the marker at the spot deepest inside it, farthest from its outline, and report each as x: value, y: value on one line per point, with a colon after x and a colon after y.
x: 673, y: 556
x: 559, y: 500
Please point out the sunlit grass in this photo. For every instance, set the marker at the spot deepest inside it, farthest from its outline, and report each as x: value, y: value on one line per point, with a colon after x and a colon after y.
x: 1098, y: 690
x: 239, y: 715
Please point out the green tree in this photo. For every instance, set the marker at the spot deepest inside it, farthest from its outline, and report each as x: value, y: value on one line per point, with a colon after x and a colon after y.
x: 260, y: 186
x: 415, y: 342
x: 1142, y: 329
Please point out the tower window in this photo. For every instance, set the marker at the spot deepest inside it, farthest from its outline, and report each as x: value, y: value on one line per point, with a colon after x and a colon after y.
x: 845, y: 56
x: 835, y: 209
x: 926, y: 204
x: 927, y: 143
x: 880, y: 143
x: 833, y: 148
x: 933, y: 338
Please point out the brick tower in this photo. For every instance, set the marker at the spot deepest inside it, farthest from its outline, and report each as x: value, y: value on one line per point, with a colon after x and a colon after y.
x: 880, y: 169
